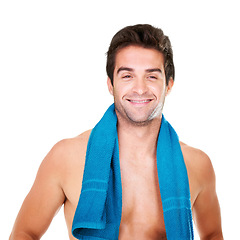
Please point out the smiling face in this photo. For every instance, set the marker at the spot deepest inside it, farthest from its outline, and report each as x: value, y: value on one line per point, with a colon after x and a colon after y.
x: 139, y: 84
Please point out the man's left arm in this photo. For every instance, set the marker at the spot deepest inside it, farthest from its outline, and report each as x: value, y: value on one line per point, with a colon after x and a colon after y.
x: 206, y: 209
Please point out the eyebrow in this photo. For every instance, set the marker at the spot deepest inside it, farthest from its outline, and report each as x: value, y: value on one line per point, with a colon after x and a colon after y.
x: 150, y: 70
x: 153, y: 70
x: 124, y: 69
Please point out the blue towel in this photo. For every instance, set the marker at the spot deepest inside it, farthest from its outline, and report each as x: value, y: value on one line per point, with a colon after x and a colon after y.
x: 98, y: 214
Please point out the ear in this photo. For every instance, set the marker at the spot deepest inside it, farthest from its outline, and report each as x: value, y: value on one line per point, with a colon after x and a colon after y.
x: 110, y: 86
x: 169, y: 86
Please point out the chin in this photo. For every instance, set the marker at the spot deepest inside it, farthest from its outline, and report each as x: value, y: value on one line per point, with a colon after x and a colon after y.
x: 141, y: 121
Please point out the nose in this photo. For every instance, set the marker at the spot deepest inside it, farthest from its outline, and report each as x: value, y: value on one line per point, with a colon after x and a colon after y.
x: 140, y: 86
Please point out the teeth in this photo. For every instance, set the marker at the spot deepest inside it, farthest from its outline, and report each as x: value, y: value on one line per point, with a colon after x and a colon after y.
x: 139, y: 101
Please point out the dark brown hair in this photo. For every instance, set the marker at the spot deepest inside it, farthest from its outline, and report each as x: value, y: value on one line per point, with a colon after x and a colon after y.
x: 146, y: 36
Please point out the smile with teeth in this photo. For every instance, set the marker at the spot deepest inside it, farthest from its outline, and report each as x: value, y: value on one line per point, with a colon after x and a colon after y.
x: 140, y: 101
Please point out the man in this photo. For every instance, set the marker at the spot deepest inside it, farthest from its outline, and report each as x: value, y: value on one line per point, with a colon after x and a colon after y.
x: 140, y: 74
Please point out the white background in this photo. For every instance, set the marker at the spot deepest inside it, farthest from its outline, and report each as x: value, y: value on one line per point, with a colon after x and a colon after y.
x: 53, y: 86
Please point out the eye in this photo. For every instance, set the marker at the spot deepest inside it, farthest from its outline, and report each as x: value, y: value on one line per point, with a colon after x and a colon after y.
x: 127, y: 76
x: 152, y: 77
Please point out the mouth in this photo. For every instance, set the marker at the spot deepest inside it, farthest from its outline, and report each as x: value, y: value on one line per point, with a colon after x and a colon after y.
x: 139, y: 101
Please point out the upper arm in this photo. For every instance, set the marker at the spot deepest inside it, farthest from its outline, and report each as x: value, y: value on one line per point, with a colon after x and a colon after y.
x: 45, y: 197
x: 206, y: 210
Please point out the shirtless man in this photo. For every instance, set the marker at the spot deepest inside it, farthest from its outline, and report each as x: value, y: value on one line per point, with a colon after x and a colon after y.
x: 139, y: 77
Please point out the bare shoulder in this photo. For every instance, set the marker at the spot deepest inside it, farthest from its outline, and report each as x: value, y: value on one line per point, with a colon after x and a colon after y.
x: 70, y: 143
x: 65, y: 163
x: 200, y: 169
x: 202, y: 183
x: 70, y: 148
x: 66, y: 155
x: 198, y: 161
x: 58, y: 179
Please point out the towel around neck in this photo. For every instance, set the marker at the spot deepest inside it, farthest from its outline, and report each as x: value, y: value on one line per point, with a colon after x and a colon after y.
x: 99, y: 210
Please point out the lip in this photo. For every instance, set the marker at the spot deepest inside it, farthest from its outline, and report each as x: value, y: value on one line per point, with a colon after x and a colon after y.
x: 139, y: 101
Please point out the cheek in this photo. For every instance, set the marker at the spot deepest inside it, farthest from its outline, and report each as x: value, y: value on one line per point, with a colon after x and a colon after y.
x: 158, y: 89
x: 121, y: 89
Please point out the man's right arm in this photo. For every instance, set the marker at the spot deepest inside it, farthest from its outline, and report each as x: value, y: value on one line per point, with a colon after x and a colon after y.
x: 44, y: 199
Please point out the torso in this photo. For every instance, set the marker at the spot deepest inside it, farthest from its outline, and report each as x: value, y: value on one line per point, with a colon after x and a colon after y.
x: 142, y: 214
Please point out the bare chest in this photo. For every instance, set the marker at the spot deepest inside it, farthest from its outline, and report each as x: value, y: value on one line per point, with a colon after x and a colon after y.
x: 142, y: 214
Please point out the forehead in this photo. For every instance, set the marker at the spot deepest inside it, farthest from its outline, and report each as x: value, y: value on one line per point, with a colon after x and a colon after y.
x: 139, y: 57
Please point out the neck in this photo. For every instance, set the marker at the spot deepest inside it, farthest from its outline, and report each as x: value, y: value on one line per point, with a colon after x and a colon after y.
x: 137, y: 141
